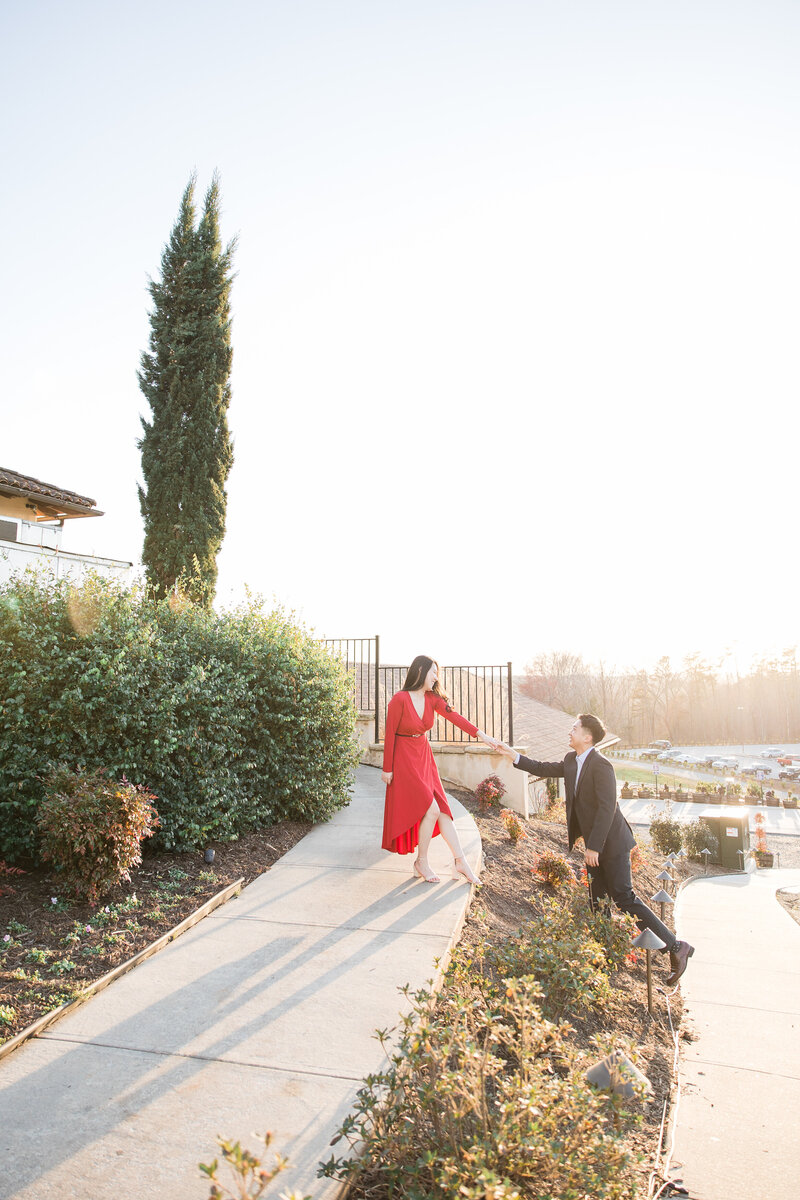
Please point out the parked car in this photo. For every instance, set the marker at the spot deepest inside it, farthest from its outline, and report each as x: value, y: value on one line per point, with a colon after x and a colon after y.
x: 772, y: 752
x: 756, y: 768
x: 649, y: 754
x: 724, y: 764
x: 666, y: 756
x: 789, y: 773
x: 707, y: 760
x: 786, y: 760
x: 660, y: 745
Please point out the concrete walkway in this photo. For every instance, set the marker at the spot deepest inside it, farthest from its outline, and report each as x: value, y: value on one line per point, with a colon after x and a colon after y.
x: 260, y: 1017
x: 736, y: 1122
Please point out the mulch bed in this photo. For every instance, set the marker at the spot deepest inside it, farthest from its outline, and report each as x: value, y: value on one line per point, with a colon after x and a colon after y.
x: 505, y: 903
x: 57, y: 947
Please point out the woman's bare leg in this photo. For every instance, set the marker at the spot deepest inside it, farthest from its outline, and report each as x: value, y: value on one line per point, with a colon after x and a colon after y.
x: 448, y: 831
x: 426, y: 828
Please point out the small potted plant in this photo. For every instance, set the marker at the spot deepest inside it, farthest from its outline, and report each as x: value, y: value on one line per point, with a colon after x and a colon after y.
x: 790, y: 801
x: 627, y: 791
x: 763, y: 856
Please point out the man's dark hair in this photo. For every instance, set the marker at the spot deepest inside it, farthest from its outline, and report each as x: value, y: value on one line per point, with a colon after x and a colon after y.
x: 594, y: 725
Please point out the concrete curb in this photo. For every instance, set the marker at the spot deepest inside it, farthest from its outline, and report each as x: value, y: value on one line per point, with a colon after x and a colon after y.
x: 92, y: 989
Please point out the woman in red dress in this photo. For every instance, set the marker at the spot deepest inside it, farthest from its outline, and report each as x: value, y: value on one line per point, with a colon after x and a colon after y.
x: 416, y: 807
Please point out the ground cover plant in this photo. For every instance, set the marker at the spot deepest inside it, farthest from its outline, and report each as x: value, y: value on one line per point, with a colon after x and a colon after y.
x: 52, y: 946
x: 233, y: 721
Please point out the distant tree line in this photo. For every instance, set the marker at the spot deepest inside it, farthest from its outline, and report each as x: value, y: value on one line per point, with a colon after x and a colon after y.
x: 695, y: 703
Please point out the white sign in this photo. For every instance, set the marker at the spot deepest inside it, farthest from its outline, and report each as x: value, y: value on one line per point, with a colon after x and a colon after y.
x: 760, y: 775
x: 656, y: 768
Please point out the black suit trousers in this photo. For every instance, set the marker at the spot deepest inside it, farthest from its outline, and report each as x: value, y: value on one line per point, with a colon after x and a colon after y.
x: 612, y: 878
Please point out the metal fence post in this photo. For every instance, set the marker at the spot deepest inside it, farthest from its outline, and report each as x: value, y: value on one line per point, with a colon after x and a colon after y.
x: 377, y: 686
x: 510, y: 707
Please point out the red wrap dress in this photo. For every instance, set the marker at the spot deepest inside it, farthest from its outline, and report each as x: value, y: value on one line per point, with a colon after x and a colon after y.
x: 415, y: 781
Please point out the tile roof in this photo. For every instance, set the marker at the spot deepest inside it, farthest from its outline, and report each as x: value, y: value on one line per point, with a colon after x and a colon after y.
x: 544, y: 730
x: 45, y: 491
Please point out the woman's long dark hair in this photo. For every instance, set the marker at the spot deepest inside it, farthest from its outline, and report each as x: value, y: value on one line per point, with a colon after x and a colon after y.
x: 417, y: 673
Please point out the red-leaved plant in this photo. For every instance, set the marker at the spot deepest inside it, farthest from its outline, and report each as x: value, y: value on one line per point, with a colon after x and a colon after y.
x: 490, y: 792
x: 553, y: 869
x: 512, y: 824
x: 761, y: 837
x: 92, y: 829
x: 6, y: 873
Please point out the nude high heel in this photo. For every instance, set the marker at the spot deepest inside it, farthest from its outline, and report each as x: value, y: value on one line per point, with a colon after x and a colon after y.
x: 427, y: 878
x: 464, y: 871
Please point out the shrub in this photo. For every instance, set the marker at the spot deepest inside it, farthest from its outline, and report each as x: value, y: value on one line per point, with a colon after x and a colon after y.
x: 554, y: 869
x: 615, y: 932
x: 249, y: 1174
x: 235, y: 721
x: 513, y: 825
x: 697, y: 836
x: 665, y: 831
x: 760, y: 836
x: 472, y: 1106
x: 558, y: 949
x: 92, y: 829
x: 490, y: 792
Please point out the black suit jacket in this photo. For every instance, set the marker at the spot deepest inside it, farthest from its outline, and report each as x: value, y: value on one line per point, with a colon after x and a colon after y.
x: 592, y: 809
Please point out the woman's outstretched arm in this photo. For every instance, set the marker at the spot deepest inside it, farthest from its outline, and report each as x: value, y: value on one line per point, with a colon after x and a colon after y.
x: 450, y: 714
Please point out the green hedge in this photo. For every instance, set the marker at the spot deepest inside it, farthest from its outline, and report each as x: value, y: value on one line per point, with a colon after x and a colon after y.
x: 235, y: 721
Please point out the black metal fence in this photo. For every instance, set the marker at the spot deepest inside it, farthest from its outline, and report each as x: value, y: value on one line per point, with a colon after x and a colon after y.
x: 361, y: 657
x: 483, y: 694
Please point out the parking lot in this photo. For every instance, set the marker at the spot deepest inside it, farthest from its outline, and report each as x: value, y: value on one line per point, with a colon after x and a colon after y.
x: 776, y: 765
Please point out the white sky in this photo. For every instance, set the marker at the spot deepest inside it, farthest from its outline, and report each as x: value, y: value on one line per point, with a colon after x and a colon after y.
x: 516, y: 314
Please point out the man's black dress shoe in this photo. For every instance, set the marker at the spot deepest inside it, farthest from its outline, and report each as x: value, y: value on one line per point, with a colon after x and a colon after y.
x: 679, y: 960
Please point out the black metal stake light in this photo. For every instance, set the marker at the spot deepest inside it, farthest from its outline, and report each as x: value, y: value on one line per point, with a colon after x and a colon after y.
x: 706, y: 853
x: 661, y: 897
x: 666, y: 877
x: 616, y: 1073
x: 649, y: 941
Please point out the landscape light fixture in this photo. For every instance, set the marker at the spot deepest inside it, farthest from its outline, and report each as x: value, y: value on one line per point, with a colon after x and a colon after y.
x: 616, y: 1074
x: 661, y: 897
x: 706, y: 853
x: 649, y: 941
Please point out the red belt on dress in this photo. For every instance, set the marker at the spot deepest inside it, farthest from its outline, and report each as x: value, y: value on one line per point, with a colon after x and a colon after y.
x: 408, y: 735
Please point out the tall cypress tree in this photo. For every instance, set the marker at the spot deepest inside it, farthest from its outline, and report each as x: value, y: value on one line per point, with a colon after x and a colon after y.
x: 186, y: 445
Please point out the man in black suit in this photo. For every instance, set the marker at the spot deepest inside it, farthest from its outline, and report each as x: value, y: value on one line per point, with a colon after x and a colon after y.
x: 594, y: 815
